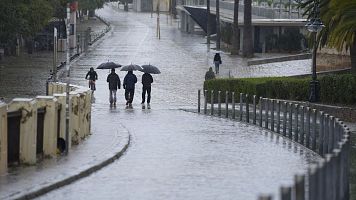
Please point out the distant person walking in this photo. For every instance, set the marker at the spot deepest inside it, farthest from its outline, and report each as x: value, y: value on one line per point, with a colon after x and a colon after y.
x: 217, y: 62
x: 93, y: 76
x: 147, y: 80
x: 129, y: 85
x: 209, y: 74
x: 114, y: 84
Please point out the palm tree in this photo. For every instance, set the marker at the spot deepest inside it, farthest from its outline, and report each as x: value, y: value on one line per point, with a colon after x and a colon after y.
x: 247, y: 46
x: 235, y: 30
x: 339, y: 17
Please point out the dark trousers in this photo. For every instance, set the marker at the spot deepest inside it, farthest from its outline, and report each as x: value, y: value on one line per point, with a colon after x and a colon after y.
x: 129, y: 95
x: 148, y: 90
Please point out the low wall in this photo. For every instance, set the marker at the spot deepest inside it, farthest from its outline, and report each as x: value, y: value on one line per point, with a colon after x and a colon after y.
x: 279, y: 59
x: 31, y: 128
x: 315, y: 129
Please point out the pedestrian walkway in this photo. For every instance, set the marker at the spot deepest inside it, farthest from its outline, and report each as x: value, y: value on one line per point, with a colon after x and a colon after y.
x: 108, y: 141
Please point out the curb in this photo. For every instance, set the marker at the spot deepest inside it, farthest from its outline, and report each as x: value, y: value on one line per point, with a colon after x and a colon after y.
x: 78, y: 176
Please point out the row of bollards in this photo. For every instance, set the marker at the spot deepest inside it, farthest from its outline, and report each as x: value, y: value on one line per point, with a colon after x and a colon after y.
x: 326, y: 135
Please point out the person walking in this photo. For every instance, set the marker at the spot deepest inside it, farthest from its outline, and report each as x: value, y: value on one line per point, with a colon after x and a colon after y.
x: 93, y: 76
x: 129, y: 85
x: 209, y: 74
x: 147, y: 80
x: 217, y: 62
x: 114, y: 84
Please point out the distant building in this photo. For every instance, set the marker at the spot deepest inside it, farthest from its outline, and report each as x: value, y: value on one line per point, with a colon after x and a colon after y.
x: 151, y: 5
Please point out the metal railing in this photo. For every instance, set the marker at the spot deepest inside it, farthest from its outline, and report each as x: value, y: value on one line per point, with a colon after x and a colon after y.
x: 329, y: 137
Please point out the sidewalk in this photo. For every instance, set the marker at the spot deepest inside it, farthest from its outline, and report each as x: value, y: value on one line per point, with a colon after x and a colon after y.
x: 107, y: 143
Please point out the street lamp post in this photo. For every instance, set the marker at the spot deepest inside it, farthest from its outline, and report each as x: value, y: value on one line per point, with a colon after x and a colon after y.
x: 314, y: 26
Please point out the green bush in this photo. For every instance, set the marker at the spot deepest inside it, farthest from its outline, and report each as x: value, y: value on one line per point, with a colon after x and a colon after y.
x: 334, y: 89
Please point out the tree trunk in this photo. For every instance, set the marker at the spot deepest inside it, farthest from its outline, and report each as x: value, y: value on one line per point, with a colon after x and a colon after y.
x: 235, y: 30
x: 218, y: 33
x: 353, y: 57
x: 247, y: 46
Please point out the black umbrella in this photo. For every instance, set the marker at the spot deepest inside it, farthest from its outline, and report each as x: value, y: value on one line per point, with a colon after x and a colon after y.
x: 131, y: 67
x: 150, y: 69
x: 108, y: 65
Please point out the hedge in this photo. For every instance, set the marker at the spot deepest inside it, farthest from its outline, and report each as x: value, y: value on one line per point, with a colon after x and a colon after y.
x: 334, y: 89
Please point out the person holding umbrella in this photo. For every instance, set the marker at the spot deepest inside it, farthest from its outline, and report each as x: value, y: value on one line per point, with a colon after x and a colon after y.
x: 114, y: 84
x: 147, y: 80
x: 129, y: 85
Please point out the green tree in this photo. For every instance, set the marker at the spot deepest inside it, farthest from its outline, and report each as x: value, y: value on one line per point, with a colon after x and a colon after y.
x: 90, y: 5
x: 339, y: 17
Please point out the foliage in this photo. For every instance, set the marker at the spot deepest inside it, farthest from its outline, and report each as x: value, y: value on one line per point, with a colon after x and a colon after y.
x: 335, y: 89
x: 90, y: 4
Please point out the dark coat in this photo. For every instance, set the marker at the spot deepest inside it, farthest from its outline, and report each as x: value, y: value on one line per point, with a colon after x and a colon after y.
x: 209, y: 74
x: 92, y: 75
x: 147, y: 80
x: 217, y: 58
x: 130, y: 80
x: 114, y: 81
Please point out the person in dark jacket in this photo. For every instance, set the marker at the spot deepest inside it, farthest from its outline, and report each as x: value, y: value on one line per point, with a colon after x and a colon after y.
x: 114, y: 84
x: 217, y: 62
x: 147, y: 80
x: 129, y: 85
x: 93, y: 76
x: 209, y: 74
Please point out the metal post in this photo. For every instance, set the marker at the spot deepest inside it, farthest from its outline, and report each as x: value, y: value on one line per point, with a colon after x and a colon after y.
x: 254, y: 109
x: 296, y: 119
x: 302, y: 125
x: 307, y: 137
x: 247, y: 109
x: 286, y: 193
x: 328, y: 176
x: 233, y: 105
x: 284, y: 118
x: 265, y: 197
x: 205, y: 101
x: 331, y: 134
x: 219, y: 103
x: 55, y: 54
x: 198, y: 101
x: 314, y: 112
x: 261, y: 108
x: 212, y: 102
x: 290, y: 134
x: 278, y: 116
x: 299, y: 181
x: 326, y: 134
x: 321, y: 179
x: 337, y: 170
x: 227, y: 104
x: 312, y: 189
x: 218, y: 33
x: 68, y: 80
x: 266, y: 112
x: 208, y: 31
x: 241, y: 107
x: 272, y: 115
x: 321, y: 133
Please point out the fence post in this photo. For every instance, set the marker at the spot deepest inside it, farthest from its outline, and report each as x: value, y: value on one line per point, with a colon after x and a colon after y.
x: 227, y: 104
x: 321, y: 179
x: 205, y: 101
x: 299, y: 181
x: 272, y: 115
x: 284, y: 119
x: 313, y: 182
x: 233, y: 105
x: 278, y: 116
x: 331, y: 134
x: 198, y: 101
x: 241, y: 107
x: 326, y: 134
x: 266, y: 112
x: 254, y: 109
x: 314, y: 130
x: 219, y: 103
x: 307, y: 137
x: 3, y: 138
x: 290, y: 134
x: 261, y: 108
x: 286, y: 193
x: 265, y: 197
x: 328, y: 176
x: 212, y: 102
x: 247, y: 109
x: 296, y: 119
x: 302, y: 125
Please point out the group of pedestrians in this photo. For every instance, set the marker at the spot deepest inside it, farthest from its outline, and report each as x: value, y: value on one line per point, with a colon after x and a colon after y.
x: 129, y: 83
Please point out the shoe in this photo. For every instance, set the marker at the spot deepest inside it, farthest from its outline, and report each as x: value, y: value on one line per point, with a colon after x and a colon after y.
x: 127, y: 103
x: 130, y: 105
x: 114, y: 104
x: 148, y: 106
x: 143, y: 105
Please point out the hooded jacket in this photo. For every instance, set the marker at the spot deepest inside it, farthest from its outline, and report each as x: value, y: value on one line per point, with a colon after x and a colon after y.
x: 129, y: 81
x: 114, y: 81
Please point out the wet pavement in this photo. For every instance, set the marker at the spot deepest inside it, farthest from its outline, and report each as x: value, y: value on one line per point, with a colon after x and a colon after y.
x: 175, y: 154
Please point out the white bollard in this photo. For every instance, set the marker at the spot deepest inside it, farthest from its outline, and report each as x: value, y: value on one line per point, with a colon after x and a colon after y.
x: 28, y: 128
x: 3, y: 138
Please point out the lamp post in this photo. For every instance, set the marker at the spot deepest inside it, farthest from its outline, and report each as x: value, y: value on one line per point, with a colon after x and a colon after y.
x: 314, y: 26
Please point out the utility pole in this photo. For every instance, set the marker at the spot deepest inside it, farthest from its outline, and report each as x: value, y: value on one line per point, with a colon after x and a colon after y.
x: 55, y: 54
x: 208, y: 28
x: 68, y: 80
x: 218, y: 35
x: 158, y: 26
